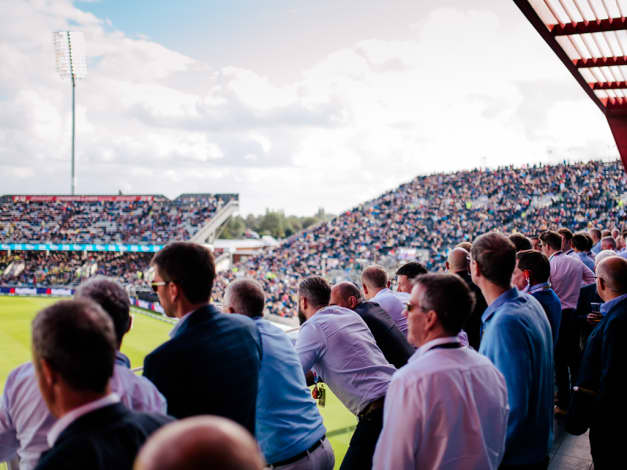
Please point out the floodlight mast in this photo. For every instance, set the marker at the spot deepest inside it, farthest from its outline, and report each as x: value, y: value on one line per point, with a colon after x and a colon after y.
x: 71, y: 62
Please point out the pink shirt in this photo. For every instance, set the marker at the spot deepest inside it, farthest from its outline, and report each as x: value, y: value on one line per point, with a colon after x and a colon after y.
x: 568, y: 275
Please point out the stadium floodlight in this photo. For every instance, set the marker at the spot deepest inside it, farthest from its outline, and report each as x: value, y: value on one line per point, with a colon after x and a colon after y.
x: 69, y: 49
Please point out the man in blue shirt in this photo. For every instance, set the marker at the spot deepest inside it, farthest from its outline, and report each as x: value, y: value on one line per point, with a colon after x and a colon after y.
x: 517, y: 339
x: 598, y: 402
x: 531, y: 275
x: 288, y: 424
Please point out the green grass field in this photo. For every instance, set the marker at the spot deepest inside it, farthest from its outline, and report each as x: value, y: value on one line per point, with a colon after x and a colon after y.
x: 16, y: 314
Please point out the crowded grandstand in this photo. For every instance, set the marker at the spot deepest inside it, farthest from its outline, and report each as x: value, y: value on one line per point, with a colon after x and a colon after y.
x: 420, y: 220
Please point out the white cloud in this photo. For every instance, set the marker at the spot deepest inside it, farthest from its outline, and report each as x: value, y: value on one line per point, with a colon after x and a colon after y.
x: 370, y: 115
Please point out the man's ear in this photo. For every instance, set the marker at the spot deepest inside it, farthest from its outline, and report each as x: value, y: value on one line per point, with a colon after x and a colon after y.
x: 130, y: 324
x: 432, y: 320
x: 365, y: 287
x: 352, y: 301
x: 389, y: 284
x: 448, y: 266
x: 230, y: 310
x: 48, y: 374
x: 305, y: 302
x: 174, y: 290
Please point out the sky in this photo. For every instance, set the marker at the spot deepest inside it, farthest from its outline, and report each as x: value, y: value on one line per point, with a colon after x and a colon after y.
x: 294, y: 105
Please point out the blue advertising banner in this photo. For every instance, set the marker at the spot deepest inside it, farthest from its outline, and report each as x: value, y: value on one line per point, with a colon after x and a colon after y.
x: 111, y: 247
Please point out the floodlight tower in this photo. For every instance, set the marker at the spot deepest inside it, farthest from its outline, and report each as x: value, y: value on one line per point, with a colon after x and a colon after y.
x: 69, y: 49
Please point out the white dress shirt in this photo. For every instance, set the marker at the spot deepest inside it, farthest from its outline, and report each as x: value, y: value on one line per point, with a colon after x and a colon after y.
x: 446, y: 409
x: 338, y: 345
x: 393, y: 305
x: 25, y: 420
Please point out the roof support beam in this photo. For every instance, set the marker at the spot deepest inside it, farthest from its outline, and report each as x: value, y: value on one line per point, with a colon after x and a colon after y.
x: 607, y: 85
x: 583, y: 27
x: 600, y: 62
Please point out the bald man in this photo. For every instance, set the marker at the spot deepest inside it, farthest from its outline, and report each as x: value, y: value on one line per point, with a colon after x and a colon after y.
x: 598, y: 401
x: 199, y: 443
x: 376, y: 288
x: 392, y: 343
x: 458, y: 262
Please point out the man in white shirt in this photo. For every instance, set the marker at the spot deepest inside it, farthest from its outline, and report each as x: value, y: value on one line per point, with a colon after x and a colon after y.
x: 24, y: 418
x: 336, y: 344
x: 376, y: 287
x: 447, y: 408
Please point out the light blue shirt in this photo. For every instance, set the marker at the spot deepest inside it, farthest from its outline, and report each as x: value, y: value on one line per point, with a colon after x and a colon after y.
x: 338, y: 345
x: 517, y: 339
x: 287, y: 419
x: 585, y: 259
x: 607, y: 306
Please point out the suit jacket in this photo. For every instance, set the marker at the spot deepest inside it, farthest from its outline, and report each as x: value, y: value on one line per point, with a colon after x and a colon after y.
x: 473, y: 324
x: 103, y: 439
x: 603, y: 371
x: 388, y: 336
x: 210, y: 366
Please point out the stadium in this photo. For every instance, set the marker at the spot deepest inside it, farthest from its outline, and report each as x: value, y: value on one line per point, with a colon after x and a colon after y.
x: 52, y: 244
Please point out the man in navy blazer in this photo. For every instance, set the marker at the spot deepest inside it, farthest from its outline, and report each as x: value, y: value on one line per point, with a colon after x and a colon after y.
x: 74, y: 349
x: 599, y: 398
x: 211, y: 363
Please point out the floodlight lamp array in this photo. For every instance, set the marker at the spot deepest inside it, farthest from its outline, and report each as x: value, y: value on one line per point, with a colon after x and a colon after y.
x: 69, y: 49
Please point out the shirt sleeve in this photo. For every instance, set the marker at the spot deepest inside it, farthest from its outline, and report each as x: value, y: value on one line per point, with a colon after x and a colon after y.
x: 402, y: 424
x: 8, y: 437
x: 505, y: 347
x: 588, y: 275
x: 310, y: 346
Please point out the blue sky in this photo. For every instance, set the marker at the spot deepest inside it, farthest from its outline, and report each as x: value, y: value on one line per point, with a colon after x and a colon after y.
x: 295, y: 105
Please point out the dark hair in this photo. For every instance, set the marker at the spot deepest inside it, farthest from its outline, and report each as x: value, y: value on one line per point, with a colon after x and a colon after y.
x: 111, y: 296
x: 316, y: 290
x: 495, y: 255
x: 411, y: 269
x: 246, y: 297
x: 581, y: 241
x: 536, y: 262
x: 449, y: 296
x: 590, y: 240
x: 606, y: 233
x: 520, y: 241
x: 375, y: 276
x: 553, y: 239
x: 189, y: 265
x: 76, y: 338
x: 566, y: 233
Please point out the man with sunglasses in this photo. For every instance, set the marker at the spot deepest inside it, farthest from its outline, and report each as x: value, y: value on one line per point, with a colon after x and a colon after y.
x: 211, y: 363
x: 447, y: 408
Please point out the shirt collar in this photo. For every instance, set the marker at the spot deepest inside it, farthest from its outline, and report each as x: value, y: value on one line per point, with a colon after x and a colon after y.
x: 607, y: 306
x: 179, y: 324
x: 538, y: 287
x: 122, y: 360
x: 385, y: 290
x: 557, y: 253
x: 509, y: 294
x: 433, y: 343
x: 76, y: 413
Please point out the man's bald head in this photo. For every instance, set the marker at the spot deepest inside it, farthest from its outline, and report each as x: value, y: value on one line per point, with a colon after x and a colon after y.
x: 199, y: 443
x: 458, y: 260
x: 345, y: 294
x: 612, y: 272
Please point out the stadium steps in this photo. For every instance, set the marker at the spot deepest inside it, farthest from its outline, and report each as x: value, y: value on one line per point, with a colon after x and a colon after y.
x: 210, y: 231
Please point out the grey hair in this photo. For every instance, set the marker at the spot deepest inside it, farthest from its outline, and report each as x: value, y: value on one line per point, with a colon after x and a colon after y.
x: 112, y: 297
x: 77, y: 340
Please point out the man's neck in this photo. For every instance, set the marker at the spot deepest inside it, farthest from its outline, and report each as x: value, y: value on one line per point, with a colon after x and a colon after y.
x: 71, y: 399
x: 608, y: 296
x: 491, y: 291
x: 184, y: 308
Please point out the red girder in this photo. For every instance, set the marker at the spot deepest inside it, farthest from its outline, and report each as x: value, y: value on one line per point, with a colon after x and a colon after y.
x: 607, y: 85
x: 599, y: 26
x: 600, y: 62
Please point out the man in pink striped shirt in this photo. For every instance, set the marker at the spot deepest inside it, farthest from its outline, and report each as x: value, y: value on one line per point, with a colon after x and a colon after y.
x: 568, y: 276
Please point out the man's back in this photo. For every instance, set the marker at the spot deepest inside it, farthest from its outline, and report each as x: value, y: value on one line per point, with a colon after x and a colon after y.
x: 453, y: 413
x: 552, y: 307
x: 568, y: 275
x: 107, y: 438
x: 517, y: 339
x: 210, y: 366
x: 393, y: 306
x: 25, y: 419
x: 391, y: 341
x: 338, y: 345
x: 288, y: 421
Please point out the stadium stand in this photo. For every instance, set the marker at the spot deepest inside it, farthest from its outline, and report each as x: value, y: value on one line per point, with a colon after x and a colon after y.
x: 421, y: 219
x: 105, y: 219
